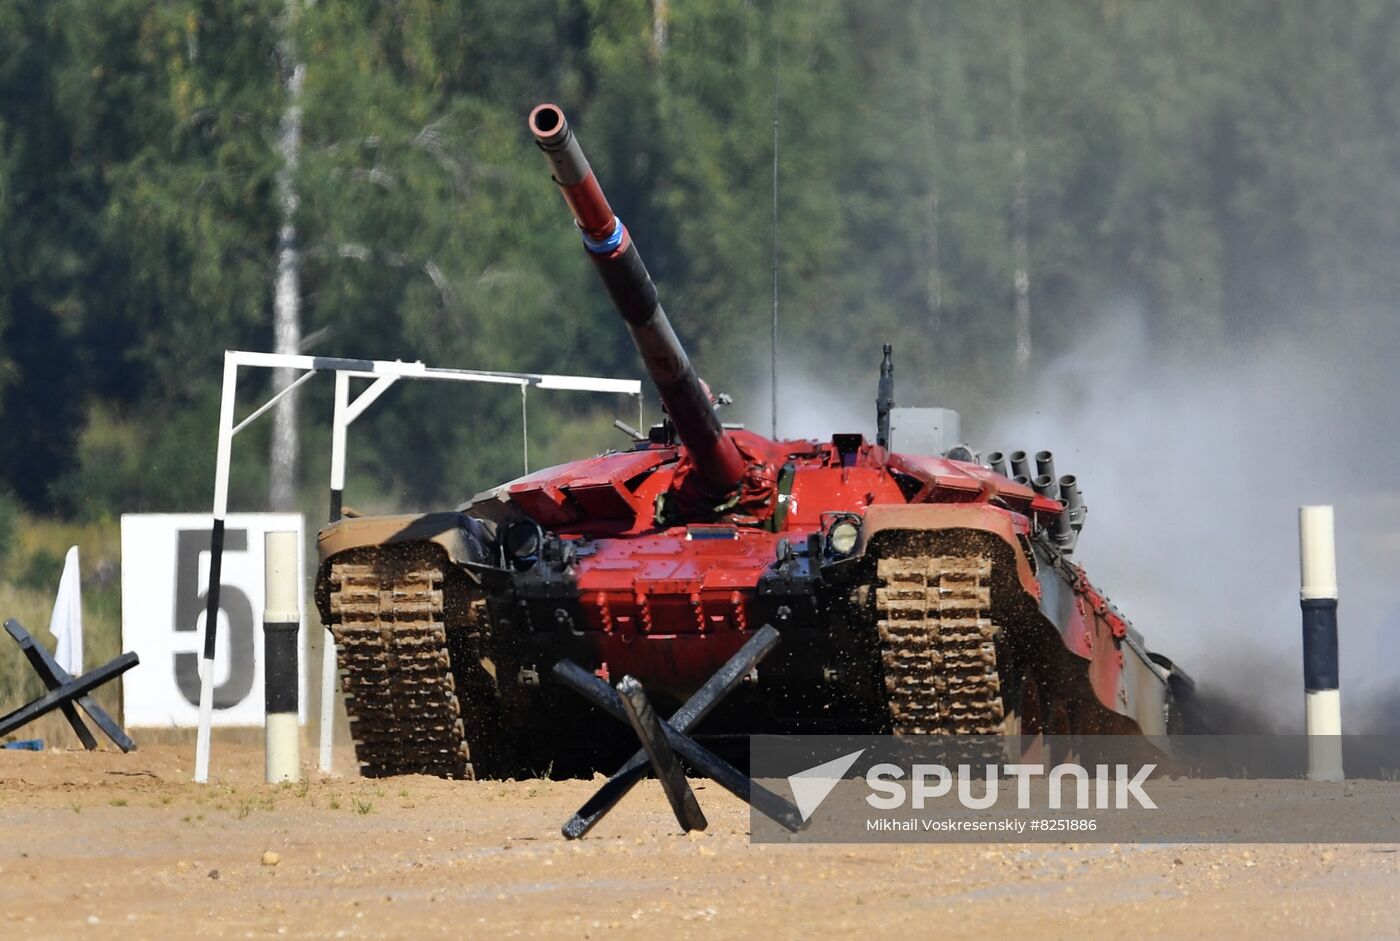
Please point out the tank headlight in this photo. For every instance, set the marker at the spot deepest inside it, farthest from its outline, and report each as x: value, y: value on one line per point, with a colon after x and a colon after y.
x: 521, y: 541
x: 841, y: 537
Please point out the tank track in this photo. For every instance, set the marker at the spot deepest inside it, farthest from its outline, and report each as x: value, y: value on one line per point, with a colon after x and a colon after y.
x: 400, y: 693
x: 938, y: 645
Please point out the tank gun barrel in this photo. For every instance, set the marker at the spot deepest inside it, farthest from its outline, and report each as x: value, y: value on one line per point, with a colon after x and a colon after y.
x: 686, y: 399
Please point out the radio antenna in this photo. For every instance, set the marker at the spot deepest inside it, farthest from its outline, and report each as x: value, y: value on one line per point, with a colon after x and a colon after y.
x: 777, y: 47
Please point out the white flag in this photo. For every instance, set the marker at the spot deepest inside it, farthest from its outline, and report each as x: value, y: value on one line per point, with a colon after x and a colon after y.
x: 66, y: 624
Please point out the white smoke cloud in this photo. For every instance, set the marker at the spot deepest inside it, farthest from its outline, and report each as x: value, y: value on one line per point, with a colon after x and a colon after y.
x: 1193, y: 470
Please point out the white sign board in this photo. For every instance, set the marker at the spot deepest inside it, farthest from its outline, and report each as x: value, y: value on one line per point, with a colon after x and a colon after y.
x: 165, y: 578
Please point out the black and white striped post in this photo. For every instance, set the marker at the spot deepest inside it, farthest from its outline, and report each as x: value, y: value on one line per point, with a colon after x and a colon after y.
x: 1322, y: 696
x: 216, y: 561
x: 339, y: 426
x: 281, y: 639
x: 346, y: 410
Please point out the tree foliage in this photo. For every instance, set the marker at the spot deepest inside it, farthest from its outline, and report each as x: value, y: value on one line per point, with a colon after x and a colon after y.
x: 1224, y: 168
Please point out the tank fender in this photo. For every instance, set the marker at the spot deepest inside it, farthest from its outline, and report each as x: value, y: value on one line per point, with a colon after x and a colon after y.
x: 465, y: 539
x: 1008, y: 527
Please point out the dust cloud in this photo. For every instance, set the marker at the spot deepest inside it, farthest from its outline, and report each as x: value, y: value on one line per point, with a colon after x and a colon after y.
x: 1193, y: 468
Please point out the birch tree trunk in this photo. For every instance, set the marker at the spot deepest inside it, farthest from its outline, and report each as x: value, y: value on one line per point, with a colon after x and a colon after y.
x: 660, y: 27
x: 286, y: 301
x: 1020, y: 205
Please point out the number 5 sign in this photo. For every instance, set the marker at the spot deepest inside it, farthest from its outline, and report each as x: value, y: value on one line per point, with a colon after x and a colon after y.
x: 165, y: 581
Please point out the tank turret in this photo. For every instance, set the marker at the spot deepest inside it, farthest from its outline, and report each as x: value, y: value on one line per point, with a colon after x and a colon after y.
x: 685, y: 397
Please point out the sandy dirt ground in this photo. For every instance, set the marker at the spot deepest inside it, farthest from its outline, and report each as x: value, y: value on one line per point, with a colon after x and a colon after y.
x: 113, y: 846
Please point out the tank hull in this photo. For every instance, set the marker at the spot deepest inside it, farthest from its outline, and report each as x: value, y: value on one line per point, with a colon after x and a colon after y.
x: 874, y: 642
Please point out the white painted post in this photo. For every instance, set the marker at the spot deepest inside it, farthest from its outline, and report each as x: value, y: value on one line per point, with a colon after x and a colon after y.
x: 339, y: 423
x: 281, y: 672
x: 1322, y: 696
x: 327, y: 730
x: 339, y: 429
x: 216, y: 555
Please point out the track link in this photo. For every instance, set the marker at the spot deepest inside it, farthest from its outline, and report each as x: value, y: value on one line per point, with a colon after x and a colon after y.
x: 391, y: 643
x: 938, y: 645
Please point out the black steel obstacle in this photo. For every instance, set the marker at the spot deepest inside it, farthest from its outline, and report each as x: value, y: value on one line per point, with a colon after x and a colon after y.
x: 64, y: 690
x: 663, y: 740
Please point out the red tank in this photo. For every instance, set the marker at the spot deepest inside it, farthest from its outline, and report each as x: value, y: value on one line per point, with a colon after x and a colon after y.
x: 914, y: 593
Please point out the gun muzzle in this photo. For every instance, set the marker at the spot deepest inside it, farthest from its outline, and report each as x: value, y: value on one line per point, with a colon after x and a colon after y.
x: 575, y: 177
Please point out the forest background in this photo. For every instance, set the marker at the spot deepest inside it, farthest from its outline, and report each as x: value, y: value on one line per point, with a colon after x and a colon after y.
x: 1158, y: 236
